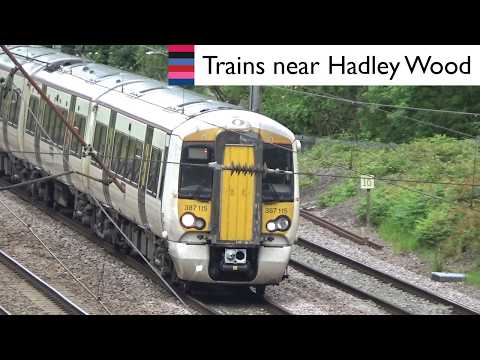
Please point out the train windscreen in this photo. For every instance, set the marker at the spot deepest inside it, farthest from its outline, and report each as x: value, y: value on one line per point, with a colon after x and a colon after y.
x: 277, y: 187
x: 196, y: 181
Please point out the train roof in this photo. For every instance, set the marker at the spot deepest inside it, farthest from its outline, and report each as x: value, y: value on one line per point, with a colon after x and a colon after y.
x: 132, y: 94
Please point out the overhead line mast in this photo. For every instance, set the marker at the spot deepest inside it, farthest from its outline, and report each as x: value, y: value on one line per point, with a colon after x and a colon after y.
x: 86, y: 147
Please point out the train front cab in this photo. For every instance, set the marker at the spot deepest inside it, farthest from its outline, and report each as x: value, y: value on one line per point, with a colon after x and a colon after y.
x: 246, y: 220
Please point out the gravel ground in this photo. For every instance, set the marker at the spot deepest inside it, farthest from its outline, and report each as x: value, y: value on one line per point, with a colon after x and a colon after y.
x: 236, y: 306
x: 369, y: 284
x: 122, y: 289
x: 19, y: 298
x: 125, y: 291
x: 401, y: 266
x: 304, y: 295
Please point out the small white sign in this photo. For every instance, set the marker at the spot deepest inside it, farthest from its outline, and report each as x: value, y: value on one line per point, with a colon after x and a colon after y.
x: 367, y: 182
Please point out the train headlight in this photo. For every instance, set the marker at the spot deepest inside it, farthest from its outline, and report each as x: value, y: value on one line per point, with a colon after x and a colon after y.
x: 199, y: 223
x: 271, y: 226
x: 280, y: 224
x: 187, y: 220
x: 283, y: 223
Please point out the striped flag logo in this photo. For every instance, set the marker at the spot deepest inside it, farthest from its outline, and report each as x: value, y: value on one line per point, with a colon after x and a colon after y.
x: 181, y: 65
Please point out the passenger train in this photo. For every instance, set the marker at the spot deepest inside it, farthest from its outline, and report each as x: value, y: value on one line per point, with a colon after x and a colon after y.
x: 191, y: 216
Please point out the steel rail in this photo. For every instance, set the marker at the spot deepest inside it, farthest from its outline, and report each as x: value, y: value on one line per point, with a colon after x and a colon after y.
x: 324, y: 277
x: 339, y: 230
x: 457, y: 308
x: 277, y: 309
x: 49, y: 291
x: 4, y: 311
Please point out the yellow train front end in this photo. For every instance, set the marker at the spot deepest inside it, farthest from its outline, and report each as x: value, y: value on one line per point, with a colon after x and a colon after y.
x: 237, y: 202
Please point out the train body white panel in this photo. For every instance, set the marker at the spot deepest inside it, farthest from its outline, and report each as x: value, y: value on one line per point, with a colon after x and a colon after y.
x: 192, y: 261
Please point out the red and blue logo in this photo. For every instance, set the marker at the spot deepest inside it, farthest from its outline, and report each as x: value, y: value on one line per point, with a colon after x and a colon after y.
x: 181, y: 65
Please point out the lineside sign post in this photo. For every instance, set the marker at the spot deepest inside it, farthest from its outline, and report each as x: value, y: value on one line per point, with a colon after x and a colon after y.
x: 367, y: 182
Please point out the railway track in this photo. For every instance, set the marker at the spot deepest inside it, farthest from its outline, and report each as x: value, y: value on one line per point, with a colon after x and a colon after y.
x: 41, y: 295
x: 4, y: 311
x: 202, y: 305
x: 238, y: 302
x: 339, y: 230
x: 351, y: 275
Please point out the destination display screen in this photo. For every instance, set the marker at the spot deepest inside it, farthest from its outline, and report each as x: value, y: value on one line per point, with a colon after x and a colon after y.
x: 198, y: 153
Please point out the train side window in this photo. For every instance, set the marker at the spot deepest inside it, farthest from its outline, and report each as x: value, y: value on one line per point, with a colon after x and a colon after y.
x: 100, y: 140
x: 47, y: 118
x: 137, y: 160
x: 119, y: 148
x: 33, y: 107
x: 132, y: 151
x: 51, y: 125
x: 127, y: 157
x: 14, y: 109
x: 80, y: 121
x: 58, y: 133
x: 154, y: 173
x: 122, y: 169
x: 1, y: 98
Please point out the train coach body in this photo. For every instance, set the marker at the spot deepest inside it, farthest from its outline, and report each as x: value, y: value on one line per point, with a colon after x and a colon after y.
x: 142, y: 130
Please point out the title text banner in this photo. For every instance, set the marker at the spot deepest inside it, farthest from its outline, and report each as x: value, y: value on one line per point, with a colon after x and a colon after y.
x: 337, y: 65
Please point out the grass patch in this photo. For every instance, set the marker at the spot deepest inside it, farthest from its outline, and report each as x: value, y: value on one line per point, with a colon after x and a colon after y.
x: 438, y: 231
x: 401, y: 240
x: 473, y: 278
x: 337, y: 194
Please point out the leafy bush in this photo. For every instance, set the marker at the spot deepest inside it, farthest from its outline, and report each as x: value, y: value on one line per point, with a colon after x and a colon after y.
x: 436, y: 227
x: 381, y: 201
x: 402, y: 211
x: 338, y: 193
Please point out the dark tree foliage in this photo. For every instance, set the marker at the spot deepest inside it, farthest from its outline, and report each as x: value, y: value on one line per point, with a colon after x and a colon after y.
x: 318, y: 116
x: 143, y: 60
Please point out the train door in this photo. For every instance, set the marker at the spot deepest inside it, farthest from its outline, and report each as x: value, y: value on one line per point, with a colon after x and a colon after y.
x: 10, y: 111
x: 237, y: 193
x: 152, y: 177
x: 52, y: 135
x: 102, y: 139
